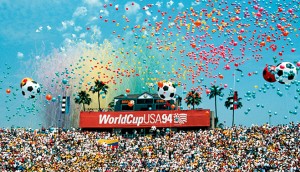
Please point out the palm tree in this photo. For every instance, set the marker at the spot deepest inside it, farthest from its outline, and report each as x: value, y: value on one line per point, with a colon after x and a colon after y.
x: 214, y: 92
x: 193, y: 98
x: 229, y: 103
x: 83, y: 98
x: 178, y: 100
x: 97, y: 88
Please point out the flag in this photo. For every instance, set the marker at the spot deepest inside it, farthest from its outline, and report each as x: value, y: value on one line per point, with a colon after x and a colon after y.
x: 110, y: 143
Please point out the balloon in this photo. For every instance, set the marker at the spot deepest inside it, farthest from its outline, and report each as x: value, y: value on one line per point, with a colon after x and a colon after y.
x: 127, y: 90
x: 131, y: 103
x: 64, y: 81
x: 48, y: 97
x: 173, y: 106
x: 207, y: 91
x: 160, y: 84
x: 8, y: 91
x: 269, y: 74
x: 197, y: 23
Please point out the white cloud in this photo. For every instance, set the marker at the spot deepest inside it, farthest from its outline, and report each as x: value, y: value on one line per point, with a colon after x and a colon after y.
x: 154, y: 18
x: 180, y: 6
x: 195, y: 3
x: 158, y: 4
x: 66, y: 24
x: 39, y: 29
x: 80, y: 11
x: 132, y: 7
x: 104, y: 12
x: 20, y: 55
x: 96, y: 32
x: 93, y: 19
x: 77, y: 28
x: 138, y: 17
x: 170, y: 3
x: 148, y: 13
x: 48, y: 27
x: 95, y: 3
x: 82, y: 35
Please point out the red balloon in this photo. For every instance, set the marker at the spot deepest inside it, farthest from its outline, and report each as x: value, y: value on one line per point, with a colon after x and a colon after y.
x: 127, y: 90
x: 197, y: 23
x: 130, y: 103
x: 173, y: 106
x: 48, y: 97
x: 268, y: 75
x: 8, y: 91
x: 160, y: 84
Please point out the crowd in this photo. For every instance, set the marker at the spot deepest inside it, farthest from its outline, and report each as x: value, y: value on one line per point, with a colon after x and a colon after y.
x: 256, y: 148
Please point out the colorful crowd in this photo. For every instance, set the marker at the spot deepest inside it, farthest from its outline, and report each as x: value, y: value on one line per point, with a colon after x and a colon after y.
x: 255, y: 148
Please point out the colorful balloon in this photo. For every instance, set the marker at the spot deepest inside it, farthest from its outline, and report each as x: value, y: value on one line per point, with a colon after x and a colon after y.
x: 8, y: 91
x: 130, y: 103
x: 269, y: 73
x: 48, y: 97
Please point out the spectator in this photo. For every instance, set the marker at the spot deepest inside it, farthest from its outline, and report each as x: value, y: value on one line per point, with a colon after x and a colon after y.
x: 256, y: 148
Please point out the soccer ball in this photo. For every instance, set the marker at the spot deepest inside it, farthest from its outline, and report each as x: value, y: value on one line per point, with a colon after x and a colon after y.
x: 285, y: 72
x: 30, y: 89
x: 167, y: 91
x: 24, y: 80
x: 269, y: 74
x: 153, y: 128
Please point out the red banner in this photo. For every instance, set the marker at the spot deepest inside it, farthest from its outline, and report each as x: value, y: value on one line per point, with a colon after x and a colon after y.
x: 145, y: 119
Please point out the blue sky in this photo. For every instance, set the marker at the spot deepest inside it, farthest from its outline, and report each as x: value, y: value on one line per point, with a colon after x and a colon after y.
x: 30, y: 30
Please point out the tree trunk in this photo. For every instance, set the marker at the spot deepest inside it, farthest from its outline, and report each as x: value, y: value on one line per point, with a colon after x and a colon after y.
x: 83, y: 107
x: 99, y: 101
x: 216, y: 106
x: 193, y: 107
x: 232, y: 116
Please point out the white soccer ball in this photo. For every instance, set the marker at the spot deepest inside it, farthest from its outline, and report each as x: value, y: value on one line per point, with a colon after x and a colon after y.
x: 285, y: 72
x: 167, y: 91
x: 153, y: 128
x: 30, y: 89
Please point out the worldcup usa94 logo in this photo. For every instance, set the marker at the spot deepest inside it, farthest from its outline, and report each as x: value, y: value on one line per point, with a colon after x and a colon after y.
x: 180, y: 118
x: 176, y: 118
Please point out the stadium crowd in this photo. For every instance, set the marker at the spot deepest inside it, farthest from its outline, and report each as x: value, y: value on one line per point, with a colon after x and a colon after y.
x: 256, y: 148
